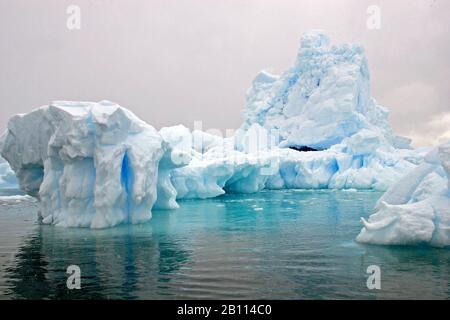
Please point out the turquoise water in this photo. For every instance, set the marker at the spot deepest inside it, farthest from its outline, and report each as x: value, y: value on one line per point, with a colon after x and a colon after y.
x: 271, y: 245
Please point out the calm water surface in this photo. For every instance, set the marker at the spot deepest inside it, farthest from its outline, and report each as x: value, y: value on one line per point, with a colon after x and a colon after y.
x: 274, y: 244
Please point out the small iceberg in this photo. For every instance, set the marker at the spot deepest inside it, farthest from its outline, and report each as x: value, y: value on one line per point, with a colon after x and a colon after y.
x: 416, y: 209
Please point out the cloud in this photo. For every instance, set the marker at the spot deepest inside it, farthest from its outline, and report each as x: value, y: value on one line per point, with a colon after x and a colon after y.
x: 437, y: 131
x: 418, y: 112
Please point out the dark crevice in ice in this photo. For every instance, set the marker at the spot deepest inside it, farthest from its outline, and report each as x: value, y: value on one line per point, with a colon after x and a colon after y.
x: 303, y: 149
x: 127, y: 180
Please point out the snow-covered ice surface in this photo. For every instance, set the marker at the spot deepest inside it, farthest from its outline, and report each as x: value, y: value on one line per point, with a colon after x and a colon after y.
x: 91, y: 164
x: 416, y: 209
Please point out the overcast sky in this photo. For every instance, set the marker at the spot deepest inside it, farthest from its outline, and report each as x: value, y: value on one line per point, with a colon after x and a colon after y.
x: 178, y: 61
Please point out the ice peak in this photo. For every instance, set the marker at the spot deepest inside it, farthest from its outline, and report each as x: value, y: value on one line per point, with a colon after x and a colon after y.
x: 322, y: 99
x: 314, y: 39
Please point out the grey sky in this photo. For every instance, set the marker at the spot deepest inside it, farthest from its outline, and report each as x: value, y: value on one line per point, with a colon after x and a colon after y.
x: 179, y: 61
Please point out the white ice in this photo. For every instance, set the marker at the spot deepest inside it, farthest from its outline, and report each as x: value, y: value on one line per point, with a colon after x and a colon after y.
x: 7, y: 177
x: 323, y: 102
x: 322, y: 99
x: 315, y: 126
x: 362, y: 161
x: 90, y: 164
x: 416, y: 209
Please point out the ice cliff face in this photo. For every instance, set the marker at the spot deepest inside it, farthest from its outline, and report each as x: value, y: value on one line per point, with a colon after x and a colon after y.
x: 362, y: 161
x: 321, y: 100
x: 416, y: 209
x: 91, y: 164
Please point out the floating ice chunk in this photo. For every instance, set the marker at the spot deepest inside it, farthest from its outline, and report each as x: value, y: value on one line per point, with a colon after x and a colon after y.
x: 416, y: 209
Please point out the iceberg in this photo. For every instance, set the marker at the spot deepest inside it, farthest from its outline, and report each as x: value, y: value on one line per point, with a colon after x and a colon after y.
x: 315, y: 126
x: 90, y: 164
x: 321, y: 100
x: 416, y: 209
x: 362, y: 161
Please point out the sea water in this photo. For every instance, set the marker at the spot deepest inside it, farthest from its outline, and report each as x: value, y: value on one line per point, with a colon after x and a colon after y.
x: 291, y: 244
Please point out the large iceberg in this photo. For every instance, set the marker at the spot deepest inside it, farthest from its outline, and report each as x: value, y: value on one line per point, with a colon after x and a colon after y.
x: 315, y: 126
x: 90, y: 164
x: 321, y: 105
x: 416, y: 209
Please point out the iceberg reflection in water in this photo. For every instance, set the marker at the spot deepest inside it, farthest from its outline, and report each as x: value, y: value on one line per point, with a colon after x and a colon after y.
x: 275, y: 244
